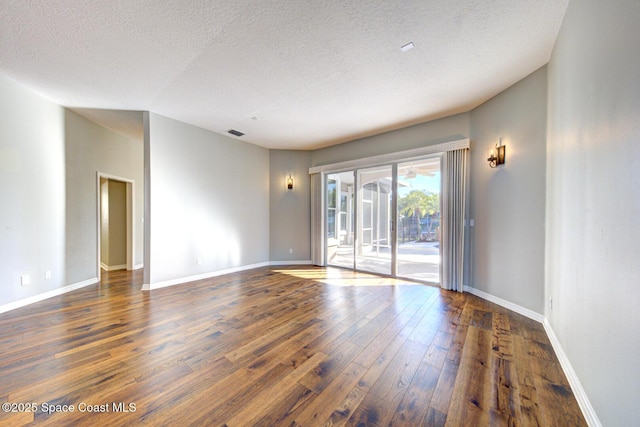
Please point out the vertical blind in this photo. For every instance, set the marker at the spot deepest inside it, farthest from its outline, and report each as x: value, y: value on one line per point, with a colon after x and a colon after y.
x: 454, y: 199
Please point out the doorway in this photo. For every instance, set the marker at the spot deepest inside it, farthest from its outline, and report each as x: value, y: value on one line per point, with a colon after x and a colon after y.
x: 340, y: 219
x: 374, y: 220
x: 115, y: 223
x: 364, y: 205
x: 418, y: 213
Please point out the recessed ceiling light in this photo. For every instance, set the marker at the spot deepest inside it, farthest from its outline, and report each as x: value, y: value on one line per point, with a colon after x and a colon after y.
x: 235, y: 132
x: 407, y: 47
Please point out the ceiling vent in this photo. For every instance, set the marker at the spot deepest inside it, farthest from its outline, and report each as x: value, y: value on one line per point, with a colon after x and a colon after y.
x: 235, y: 132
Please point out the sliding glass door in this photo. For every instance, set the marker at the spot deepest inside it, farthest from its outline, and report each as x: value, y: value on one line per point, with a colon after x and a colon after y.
x: 418, y: 255
x: 373, y: 243
x: 340, y: 224
x: 363, y: 207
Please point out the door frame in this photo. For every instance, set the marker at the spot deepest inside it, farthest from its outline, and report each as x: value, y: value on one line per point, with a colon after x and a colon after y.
x: 375, y: 228
x: 130, y: 214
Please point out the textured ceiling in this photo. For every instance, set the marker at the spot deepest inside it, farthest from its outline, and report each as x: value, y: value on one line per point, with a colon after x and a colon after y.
x: 289, y: 74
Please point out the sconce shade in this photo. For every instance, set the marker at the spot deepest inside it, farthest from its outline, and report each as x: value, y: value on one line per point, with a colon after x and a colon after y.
x: 498, y: 156
x: 290, y: 183
x: 501, y: 154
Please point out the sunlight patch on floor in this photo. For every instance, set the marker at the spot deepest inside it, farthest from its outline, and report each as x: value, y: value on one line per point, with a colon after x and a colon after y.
x: 345, y: 278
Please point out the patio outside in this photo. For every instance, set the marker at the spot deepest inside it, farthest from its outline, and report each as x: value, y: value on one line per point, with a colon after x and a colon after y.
x: 416, y: 260
x: 418, y: 231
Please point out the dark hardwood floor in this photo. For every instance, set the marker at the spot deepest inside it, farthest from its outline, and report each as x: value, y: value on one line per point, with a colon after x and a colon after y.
x: 278, y: 346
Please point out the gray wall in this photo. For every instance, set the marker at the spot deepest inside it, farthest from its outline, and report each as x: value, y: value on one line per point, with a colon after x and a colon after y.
x: 507, y: 203
x: 90, y: 149
x: 290, y: 210
x: 32, y: 193
x: 208, y: 200
x: 48, y: 162
x: 593, y: 202
x: 438, y: 131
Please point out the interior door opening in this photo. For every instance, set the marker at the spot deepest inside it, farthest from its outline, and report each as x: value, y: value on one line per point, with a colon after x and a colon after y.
x: 115, y: 223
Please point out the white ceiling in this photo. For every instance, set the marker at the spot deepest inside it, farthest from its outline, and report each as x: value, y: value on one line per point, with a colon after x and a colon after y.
x: 312, y: 72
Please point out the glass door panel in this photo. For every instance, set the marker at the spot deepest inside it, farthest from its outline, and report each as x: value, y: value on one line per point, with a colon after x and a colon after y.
x: 340, y: 214
x: 419, y: 210
x: 373, y: 242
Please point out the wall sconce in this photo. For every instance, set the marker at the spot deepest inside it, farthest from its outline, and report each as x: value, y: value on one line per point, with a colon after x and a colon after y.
x: 290, y: 183
x: 497, y: 156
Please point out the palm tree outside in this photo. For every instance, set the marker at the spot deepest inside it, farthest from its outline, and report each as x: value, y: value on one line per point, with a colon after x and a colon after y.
x: 419, y: 207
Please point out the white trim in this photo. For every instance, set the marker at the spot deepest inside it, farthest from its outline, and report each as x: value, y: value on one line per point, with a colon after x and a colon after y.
x: 298, y: 262
x: 138, y: 266
x: 180, y: 280
x: 576, y: 386
x: 506, y: 304
x: 47, y: 295
x: 381, y: 159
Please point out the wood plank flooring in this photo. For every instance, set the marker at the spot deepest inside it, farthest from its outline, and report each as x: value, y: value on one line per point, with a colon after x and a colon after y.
x: 292, y: 346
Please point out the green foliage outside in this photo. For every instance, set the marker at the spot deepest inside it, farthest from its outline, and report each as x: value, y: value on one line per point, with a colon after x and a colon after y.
x: 419, y: 204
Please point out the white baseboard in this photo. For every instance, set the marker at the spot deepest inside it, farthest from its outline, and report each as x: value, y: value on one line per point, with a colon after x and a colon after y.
x: 506, y: 304
x: 172, y: 282
x: 138, y: 266
x: 298, y: 262
x: 576, y: 386
x: 46, y: 295
x: 578, y: 391
x: 106, y: 267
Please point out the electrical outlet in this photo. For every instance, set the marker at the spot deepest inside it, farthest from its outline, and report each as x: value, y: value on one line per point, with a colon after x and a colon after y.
x: 25, y: 279
x: 551, y: 303
x: 198, y: 261
x: 47, y: 275
x: 290, y: 250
